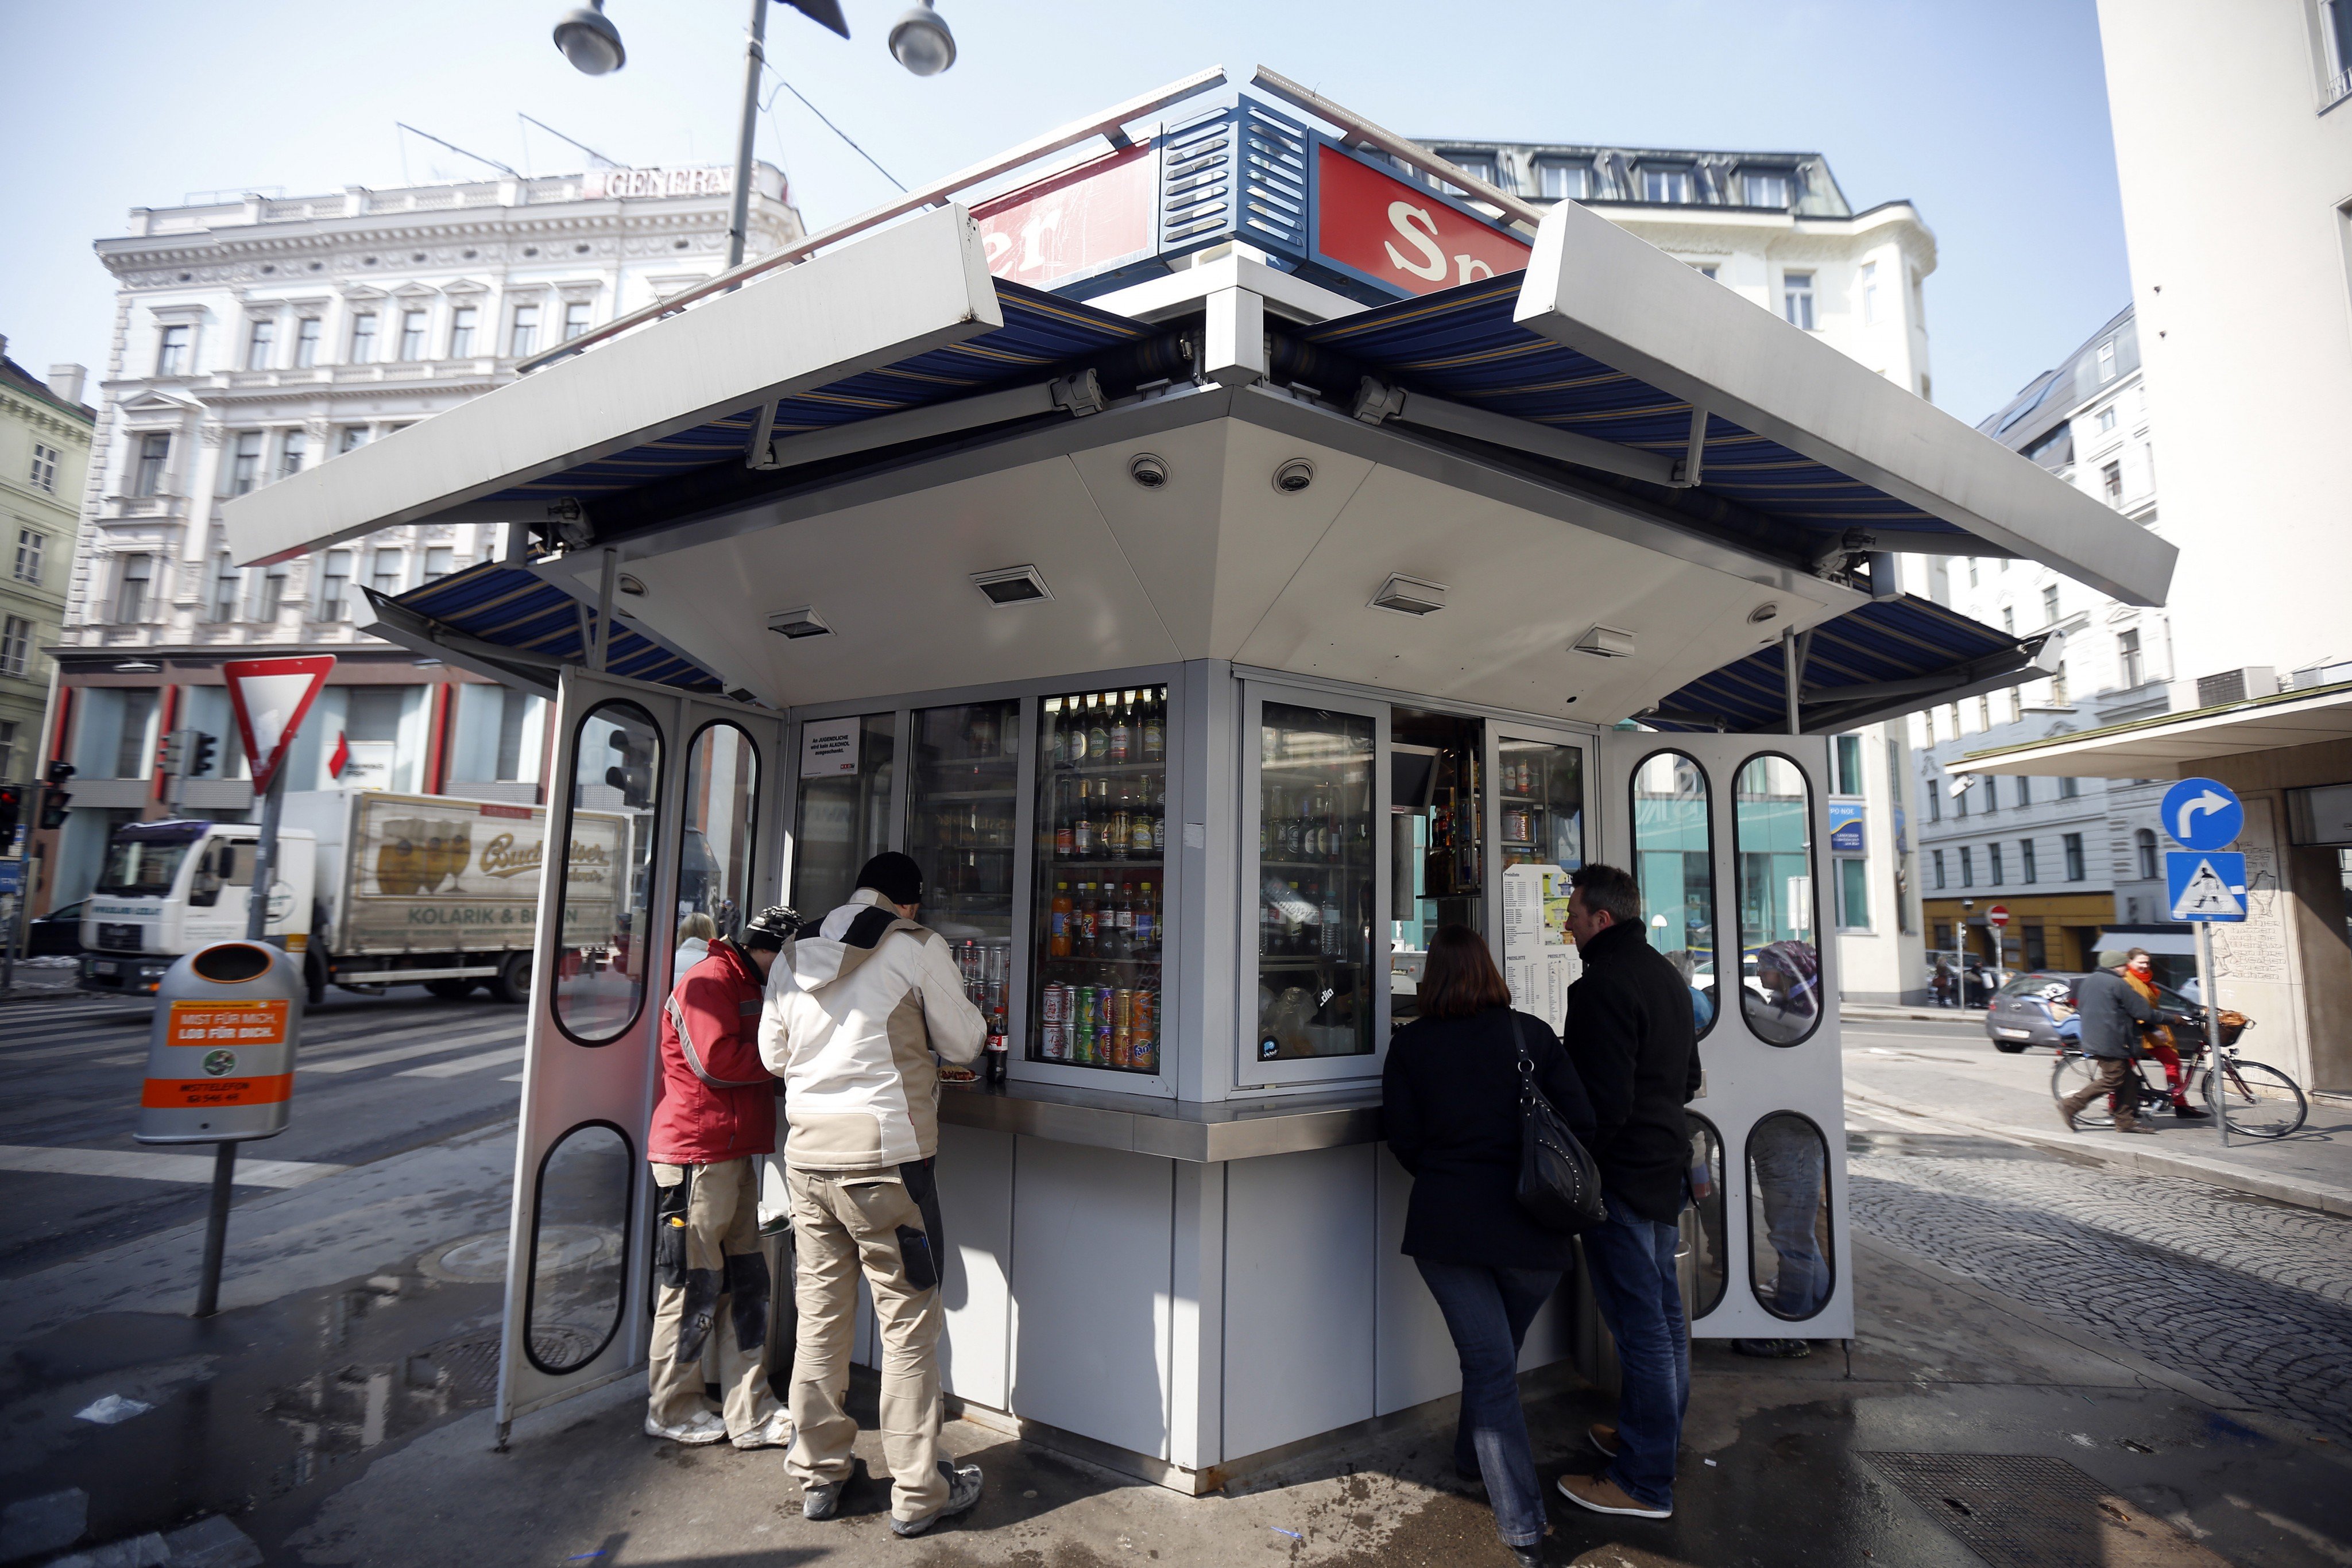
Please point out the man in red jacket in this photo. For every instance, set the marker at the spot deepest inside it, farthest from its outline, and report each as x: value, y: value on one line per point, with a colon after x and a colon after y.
x: 715, y: 1115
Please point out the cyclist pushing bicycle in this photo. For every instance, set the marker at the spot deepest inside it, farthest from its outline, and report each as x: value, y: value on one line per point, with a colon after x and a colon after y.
x: 2157, y: 1040
x: 2109, y: 1014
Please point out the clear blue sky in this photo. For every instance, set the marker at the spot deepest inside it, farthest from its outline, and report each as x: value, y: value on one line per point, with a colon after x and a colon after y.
x: 1991, y: 116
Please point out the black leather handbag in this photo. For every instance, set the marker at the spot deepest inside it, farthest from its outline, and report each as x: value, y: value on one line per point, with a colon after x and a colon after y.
x: 1559, y: 1187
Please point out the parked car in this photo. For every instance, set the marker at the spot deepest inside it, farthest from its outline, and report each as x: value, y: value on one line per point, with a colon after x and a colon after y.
x: 2027, y: 1012
x: 56, y: 934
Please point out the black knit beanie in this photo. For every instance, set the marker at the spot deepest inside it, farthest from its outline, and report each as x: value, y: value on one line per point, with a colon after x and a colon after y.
x: 895, y: 877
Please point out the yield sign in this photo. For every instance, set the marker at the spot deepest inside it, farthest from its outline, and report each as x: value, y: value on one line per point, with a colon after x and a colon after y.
x: 270, y: 696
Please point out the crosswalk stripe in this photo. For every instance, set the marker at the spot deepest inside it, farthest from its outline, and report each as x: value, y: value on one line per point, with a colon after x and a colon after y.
x: 407, y: 1052
x: 311, y: 1043
x: 146, y: 1166
x: 465, y: 1064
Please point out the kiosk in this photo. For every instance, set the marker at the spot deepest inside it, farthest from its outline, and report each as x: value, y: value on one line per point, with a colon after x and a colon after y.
x: 1219, y: 561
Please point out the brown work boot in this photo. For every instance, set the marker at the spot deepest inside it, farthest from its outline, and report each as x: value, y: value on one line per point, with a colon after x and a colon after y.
x: 1604, y: 1438
x: 1602, y: 1495
x: 2067, y: 1116
x: 2133, y: 1125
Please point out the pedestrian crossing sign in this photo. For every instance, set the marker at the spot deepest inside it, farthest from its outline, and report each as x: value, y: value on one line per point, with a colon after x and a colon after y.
x: 2206, y: 884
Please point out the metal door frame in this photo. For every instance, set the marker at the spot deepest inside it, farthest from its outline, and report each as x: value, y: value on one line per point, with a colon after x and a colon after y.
x: 555, y: 1103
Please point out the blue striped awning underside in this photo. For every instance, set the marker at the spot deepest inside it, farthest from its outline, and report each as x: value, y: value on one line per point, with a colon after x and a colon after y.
x: 507, y: 605
x: 1885, y: 640
x: 1040, y: 330
x: 1462, y: 345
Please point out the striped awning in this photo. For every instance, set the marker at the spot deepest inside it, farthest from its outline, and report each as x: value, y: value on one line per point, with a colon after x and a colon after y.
x: 512, y: 610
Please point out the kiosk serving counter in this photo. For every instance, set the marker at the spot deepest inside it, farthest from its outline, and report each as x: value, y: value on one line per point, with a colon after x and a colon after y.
x: 1213, y: 609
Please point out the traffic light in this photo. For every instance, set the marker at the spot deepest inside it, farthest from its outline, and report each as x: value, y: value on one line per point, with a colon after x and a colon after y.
x: 54, y: 800
x: 12, y: 807
x: 202, y: 750
x: 172, y: 752
x: 634, y: 776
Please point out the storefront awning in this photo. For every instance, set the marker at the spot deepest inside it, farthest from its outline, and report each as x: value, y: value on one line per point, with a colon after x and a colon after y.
x: 502, y: 621
x: 2173, y: 745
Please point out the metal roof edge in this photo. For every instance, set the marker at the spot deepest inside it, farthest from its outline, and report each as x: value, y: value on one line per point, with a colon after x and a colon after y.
x: 2339, y: 694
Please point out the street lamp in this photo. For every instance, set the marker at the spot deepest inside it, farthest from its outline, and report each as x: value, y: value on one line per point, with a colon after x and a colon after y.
x: 919, y: 41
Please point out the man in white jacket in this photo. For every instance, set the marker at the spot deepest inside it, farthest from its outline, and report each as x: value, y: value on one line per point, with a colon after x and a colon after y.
x: 854, y: 1012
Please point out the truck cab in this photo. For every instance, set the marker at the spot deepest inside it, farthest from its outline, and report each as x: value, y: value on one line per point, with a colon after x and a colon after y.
x: 173, y: 886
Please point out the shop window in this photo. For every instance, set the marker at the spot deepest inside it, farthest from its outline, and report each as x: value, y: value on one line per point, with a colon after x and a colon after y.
x: 1849, y: 765
x: 1853, y: 895
x: 1791, y: 1263
x: 1541, y: 789
x: 719, y: 825
x: 1101, y: 883
x: 1772, y: 846
x: 497, y: 737
x: 1674, y: 861
x: 844, y: 809
x: 1701, y: 1223
x: 2037, y: 948
x: 580, y: 1229
x: 607, y: 932
x: 1315, y: 869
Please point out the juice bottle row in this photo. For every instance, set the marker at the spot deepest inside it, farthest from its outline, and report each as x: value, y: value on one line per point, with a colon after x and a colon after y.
x: 1103, y: 920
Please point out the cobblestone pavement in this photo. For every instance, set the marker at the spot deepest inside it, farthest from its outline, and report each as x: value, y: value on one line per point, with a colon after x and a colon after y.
x: 2250, y: 1296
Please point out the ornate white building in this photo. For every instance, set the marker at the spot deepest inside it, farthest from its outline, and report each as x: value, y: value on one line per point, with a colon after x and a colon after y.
x: 258, y: 337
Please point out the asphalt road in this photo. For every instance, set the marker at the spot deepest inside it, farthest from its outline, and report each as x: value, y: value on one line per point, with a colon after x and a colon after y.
x: 375, y: 1075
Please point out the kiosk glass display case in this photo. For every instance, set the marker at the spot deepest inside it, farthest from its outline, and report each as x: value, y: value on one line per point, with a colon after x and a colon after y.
x: 1100, y: 887
x: 1539, y: 798
x: 963, y: 798
x: 1317, y: 873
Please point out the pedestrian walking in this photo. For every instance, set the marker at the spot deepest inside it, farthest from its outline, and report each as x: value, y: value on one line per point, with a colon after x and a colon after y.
x: 715, y: 1117
x: 1632, y: 1043
x: 854, y: 1018
x: 1450, y: 1112
x: 2109, y: 1012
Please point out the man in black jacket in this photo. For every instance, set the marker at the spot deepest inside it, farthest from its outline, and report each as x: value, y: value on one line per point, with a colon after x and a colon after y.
x: 2110, y: 1012
x: 1630, y: 1037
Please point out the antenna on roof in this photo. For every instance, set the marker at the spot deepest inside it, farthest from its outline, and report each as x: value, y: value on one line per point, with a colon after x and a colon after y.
x: 608, y: 162
x: 453, y: 147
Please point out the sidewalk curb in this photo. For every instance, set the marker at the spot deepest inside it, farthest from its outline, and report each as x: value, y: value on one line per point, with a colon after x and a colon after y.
x: 2324, y: 1197
x: 1870, y: 1013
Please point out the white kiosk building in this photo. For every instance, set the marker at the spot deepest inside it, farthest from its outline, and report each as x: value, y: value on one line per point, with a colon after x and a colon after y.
x: 1218, y: 558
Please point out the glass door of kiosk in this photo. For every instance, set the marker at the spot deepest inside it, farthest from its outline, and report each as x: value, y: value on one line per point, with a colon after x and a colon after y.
x: 662, y: 810
x: 1723, y: 836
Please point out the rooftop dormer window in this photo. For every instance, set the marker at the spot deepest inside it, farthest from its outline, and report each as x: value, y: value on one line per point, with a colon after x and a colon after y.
x: 1665, y: 183
x: 1558, y: 179
x: 1482, y: 164
x: 1764, y: 187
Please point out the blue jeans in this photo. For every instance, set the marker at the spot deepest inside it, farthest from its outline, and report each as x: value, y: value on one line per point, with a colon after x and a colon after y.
x: 1630, y: 1262
x: 1488, y: 1312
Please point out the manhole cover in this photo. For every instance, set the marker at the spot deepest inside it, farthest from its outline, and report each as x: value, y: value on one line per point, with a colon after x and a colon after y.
x: 2020, y: 1510
x: 564, y: 1346
x: 471, y: 1366
x: 483, y: 1258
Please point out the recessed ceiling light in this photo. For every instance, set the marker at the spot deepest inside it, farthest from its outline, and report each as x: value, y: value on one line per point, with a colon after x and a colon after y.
x: 1409, y: 596
x: 137, y: 667
x: 1294, y: 476
x: 799, y: 622
x: 628, y: 585
x: 1606, y: 643
x: 1762, y: 613
x: 1148, y: 470
x: 1012, y: 585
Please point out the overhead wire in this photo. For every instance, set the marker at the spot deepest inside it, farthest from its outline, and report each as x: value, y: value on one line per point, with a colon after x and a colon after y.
x: 766, y: 107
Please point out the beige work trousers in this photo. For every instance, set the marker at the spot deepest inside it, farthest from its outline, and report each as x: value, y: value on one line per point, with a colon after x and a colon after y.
x: 874, y: 1220
x: 722, y: 1218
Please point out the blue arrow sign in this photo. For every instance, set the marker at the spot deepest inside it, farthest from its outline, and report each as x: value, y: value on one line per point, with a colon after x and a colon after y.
x: 2202, y: 814
x: 2205, y: 884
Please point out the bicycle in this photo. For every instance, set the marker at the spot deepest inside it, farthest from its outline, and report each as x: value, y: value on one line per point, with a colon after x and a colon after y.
x: 2255, y: 1098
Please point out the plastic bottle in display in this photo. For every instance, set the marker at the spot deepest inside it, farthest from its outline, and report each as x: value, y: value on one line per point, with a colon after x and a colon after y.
x: 1123, y: 912
x: 1082, y: 938
x: 1146, y: 921
x: 1329, y: 916
x: 1057, y: 941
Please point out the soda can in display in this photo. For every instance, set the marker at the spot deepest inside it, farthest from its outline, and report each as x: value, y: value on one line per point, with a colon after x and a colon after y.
x: 1143, y: 1050
x: 1102, y: 1026
x: 1122, y: 1027
x: 1082, y: 1023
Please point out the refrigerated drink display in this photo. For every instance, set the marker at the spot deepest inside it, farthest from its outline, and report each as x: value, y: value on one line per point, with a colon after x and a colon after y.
x: 1316, y: 871
x: 961, y: 807
x: 1101, y: 882
x: 1539, y: 791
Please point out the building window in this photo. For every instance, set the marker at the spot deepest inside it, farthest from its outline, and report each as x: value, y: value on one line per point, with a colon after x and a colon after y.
x: 2058, y: 690
x: 2111, y: 483
x: 575, y: 315
x: 1928, y: 716
x: 2107, y: 361
x: 384, y: 572
x: 2024, y: 792
x: 1849, y: 765
x: 2050, y: 604
x: 1666, y: 184
x: 1984, y: 712
x: 257, y: 345
x: 2127, y: 658
x: 461, y: 331
x: 364, y: 337
x: 15, y: 643
x: 2025, y: 867
x: 1853, y: 895
x: 2144, y: 847
x: 224, y: 586
x: 1968, y: 867
x: 306, y: 333
x: 8, y: 749
x: 44, y: 475
x: 1992, y: 796
x: 1797, y: 305
x: 264, y: 589
x: 2008, y: 619
x: 1960, y: 802
x: 1937, y: 857
x: 354, y: 437
x: 1993, y: 861
x: 172, y: 352
x: 2107, y: 417
x: 1934, y: 793
x: 2016, y: 705
x: 2074, y: 857
x: 154, y: 452
x: 1870, y: 293
x: 131, y: 589
x: 440, y: 560
x: 1559, y: 181
x: 1764, y: 188
x: 245, y: 463
x: 291, y: 452
x: 335, y: 585
x: 1478, y: 164
x: 31, y: 546
x: 1705, y: 269
x: 1972, y: 571
x: 412, y: 335
x: 525, y: 337
x: 2068, y: 789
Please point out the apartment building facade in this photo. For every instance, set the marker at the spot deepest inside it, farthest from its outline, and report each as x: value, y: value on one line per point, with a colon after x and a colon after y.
x: 45, y: 439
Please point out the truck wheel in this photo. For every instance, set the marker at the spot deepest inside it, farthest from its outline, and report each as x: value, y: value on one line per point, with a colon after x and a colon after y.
x: 450, y: 990
x: 513, y: 984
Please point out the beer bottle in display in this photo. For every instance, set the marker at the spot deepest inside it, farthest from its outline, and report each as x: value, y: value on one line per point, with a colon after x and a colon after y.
x: 1059, y: 942
x: 1122, y: 729
x: 1330, y: 915
x: 1082, y: 940
x: 1142, y: 835
x: 1126, y: 920
x: 1294, y: 923
x: 1155, y: 728
x: 1120, y: 836
x: 1097, y: 730
x: 1082, y: 831
x: 1074, y: 732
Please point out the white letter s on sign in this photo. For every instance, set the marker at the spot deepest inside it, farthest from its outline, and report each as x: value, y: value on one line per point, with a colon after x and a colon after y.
x: 1421, y: 235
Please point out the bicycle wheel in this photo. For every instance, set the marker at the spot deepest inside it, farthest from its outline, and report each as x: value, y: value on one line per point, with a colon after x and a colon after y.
x: 2258, y: 1100
x: 2070, y: 1074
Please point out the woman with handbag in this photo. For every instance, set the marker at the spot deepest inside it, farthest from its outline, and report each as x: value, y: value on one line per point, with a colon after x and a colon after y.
x: 1455, y: 1116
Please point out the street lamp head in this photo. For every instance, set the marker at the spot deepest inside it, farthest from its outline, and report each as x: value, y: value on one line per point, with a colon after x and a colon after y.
x: 590, y: 41
x: 921, y: 42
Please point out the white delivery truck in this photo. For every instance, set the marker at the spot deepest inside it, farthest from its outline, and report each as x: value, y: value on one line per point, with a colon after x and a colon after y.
x: 373, y: 889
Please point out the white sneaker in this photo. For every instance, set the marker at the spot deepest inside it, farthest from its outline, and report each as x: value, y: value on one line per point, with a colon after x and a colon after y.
x: 695, y: 1430
x: 775, y: 1432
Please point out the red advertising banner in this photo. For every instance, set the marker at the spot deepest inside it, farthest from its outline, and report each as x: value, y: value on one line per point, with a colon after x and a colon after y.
x: 1399, y: 234
x: 1080, y: 220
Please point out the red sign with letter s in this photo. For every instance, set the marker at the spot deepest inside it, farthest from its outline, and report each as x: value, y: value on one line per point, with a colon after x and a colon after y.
x: 1398, y: 233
